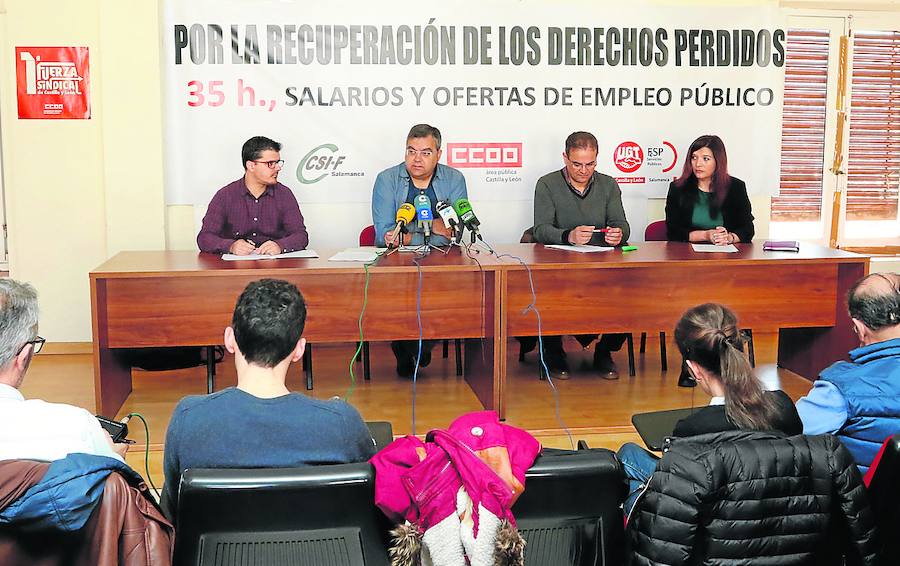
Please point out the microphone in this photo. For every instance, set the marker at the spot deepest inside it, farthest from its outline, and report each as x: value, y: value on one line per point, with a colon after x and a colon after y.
x: 405, y: 214
x: 451, y: 219
x: 467, y: 216
x: 423, y: 214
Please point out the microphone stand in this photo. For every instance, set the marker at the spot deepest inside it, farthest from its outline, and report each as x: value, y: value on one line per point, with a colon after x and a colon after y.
x: 456, y: 232
x: 425, y: 248
x: 449, y: 245
x: 476, y: 237
x: 428, y: 246
x: 392, y: 245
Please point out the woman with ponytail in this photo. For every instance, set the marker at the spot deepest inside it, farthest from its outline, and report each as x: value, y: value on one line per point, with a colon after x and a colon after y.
x: 713, y: 348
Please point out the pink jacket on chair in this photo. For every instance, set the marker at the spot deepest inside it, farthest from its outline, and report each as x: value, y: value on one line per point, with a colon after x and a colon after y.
x: 420, y: 482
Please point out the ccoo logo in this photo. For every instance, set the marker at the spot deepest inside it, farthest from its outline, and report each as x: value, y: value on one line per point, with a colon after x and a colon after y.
x: 628, y: 157
x: 484, y: 154
x: 318, y: 163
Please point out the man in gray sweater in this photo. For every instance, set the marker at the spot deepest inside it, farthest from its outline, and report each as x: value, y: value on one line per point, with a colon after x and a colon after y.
x: 572, y: 206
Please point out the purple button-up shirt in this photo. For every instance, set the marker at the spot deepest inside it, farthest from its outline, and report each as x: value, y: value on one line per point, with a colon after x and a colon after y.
x: 234, y: 213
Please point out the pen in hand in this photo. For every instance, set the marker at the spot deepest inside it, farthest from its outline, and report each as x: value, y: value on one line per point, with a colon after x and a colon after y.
x: 242, y: 245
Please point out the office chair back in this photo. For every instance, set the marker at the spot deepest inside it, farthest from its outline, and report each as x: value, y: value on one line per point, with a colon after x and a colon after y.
x: 322, y: 515
x: 570, y: 511
x: 367, y: 236
x: 656, y: 232
x: 884, y: 497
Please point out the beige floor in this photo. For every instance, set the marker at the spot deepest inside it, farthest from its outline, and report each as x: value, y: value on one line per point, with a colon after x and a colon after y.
x: 595, y: 410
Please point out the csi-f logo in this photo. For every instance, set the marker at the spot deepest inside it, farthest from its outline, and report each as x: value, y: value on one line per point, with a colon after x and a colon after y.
x: 50, y: 77
x: 483, y: 154
x: 628, y: 157
x: 318, y: 163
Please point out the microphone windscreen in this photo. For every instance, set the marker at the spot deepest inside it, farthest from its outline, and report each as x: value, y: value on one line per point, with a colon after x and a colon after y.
x: 423, y: 208
x: 462, y: 206
x: 406, y: 213
x: 447, y: 213
x: 464, y: 209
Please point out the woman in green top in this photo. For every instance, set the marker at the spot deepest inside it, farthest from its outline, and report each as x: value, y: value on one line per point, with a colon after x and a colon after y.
x: 706, y: 204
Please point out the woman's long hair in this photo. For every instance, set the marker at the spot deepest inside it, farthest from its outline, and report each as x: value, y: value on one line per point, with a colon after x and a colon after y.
x: 720, y: 181
x: 708, y: 335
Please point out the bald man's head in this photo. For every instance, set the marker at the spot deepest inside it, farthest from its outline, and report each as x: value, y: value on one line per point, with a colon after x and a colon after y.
x: 875, y: 301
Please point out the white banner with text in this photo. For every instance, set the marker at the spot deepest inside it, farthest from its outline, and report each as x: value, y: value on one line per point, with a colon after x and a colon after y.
x: 339, y: 84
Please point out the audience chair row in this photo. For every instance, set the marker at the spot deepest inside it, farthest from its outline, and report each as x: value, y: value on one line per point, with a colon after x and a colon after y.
x: 570, y: 513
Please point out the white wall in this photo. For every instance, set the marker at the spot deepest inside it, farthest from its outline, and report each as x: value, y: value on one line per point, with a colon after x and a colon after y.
x: 79, y: 190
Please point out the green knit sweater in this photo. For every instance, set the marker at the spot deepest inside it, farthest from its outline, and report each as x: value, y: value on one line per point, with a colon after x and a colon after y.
x: 557, y: 209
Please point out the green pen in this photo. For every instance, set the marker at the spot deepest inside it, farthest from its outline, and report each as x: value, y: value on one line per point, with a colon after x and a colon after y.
x: 629, y: 248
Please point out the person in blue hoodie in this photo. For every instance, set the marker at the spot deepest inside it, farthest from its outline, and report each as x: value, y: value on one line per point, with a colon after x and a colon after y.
x: 859, y: 400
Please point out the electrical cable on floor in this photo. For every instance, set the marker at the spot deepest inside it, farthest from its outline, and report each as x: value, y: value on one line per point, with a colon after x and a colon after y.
x: 421, y: 333
x: 362, y: 312
x: 146, y: 448
x: 533, y: 308
x: 471, y: 256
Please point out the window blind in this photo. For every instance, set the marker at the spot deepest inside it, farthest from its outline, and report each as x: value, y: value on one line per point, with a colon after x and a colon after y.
x: 803, y: 127
x: 873, y: 165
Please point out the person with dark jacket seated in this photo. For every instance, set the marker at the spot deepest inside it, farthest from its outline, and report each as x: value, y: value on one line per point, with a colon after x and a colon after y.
x: 706, y: 204
x: 748, y: 497
x: 712, y: 345
x: 260, y: 423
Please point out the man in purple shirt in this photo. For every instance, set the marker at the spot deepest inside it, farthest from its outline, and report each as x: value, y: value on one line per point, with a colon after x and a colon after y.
x: 255, y: 214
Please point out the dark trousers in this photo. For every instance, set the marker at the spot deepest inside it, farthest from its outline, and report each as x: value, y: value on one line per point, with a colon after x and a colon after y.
x: 409, y: 349
x: 553, y: 344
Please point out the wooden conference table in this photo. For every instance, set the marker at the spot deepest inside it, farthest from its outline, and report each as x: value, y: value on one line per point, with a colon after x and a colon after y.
x: 175, y: 298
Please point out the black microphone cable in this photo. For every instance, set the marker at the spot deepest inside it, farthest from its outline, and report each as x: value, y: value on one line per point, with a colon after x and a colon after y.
x: 481, y: 281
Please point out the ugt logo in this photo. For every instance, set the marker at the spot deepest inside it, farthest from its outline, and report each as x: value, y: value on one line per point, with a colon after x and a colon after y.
x: 628, y: 157
x: 323, y: 158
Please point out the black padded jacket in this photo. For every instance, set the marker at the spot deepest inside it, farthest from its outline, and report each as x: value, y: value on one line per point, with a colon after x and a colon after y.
x: 753, y: 498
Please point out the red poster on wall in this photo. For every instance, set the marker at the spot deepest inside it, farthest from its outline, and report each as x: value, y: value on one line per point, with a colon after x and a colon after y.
x: 53, y: 83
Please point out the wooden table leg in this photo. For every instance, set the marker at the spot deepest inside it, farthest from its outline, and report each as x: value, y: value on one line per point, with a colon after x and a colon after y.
x: 112, y: 371
x: 807, y: 351
x: 484, y: 357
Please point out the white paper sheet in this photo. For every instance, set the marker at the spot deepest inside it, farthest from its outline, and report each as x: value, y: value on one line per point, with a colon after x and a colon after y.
x: 362, y: 255
x: 298, y: 254
x: 712, y: 248
x: 580, y: 249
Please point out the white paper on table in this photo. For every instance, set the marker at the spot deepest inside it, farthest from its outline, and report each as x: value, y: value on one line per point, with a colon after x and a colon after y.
x: 713, y: 248
x: 580, y: 249
x: 297, y: 254
x: 363, y: 255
